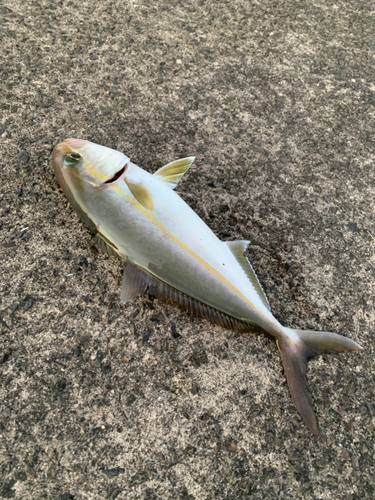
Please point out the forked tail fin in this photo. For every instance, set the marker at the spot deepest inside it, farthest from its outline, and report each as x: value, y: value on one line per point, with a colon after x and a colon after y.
x: 297, y: 348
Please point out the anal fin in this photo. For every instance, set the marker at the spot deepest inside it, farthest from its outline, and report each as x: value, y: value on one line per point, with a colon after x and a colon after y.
x: 136, y: 281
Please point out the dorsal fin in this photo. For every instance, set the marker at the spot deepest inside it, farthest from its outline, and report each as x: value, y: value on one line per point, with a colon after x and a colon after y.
x: 237, y: 248
x: 105, y: 246
x: 172, y: 173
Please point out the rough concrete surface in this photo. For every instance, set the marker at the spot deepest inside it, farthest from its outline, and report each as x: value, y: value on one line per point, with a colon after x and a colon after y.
x: 103, y: 400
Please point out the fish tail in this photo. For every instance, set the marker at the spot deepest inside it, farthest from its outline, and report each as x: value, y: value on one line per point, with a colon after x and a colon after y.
x: 297, y: 347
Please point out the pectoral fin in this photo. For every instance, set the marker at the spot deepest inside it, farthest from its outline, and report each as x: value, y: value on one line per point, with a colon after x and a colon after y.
x: 237, y: 248
x: 141, y: 193
x: 173, y: 172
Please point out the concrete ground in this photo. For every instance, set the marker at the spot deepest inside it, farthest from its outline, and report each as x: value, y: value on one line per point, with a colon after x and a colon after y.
x: 103, y: 400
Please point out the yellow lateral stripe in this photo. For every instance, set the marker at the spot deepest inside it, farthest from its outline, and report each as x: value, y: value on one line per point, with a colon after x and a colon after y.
x: 152, y: 218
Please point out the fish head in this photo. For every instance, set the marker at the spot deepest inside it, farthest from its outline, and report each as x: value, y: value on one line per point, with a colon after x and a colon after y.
x: 77, y: 162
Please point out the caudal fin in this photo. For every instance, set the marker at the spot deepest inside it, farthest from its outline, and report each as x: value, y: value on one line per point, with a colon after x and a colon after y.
x: 296, y: 349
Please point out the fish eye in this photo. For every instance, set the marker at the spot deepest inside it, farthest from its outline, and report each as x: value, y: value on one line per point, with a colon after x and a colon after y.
x: 71, y: 158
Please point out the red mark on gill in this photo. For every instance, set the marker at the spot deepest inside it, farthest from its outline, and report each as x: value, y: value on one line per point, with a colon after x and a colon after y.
x: 116, y: 176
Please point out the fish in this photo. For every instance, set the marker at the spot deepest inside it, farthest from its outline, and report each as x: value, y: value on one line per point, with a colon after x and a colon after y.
x: 169, y: 251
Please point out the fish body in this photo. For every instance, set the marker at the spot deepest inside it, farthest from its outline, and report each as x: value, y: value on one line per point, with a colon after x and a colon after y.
x: 169, y: 250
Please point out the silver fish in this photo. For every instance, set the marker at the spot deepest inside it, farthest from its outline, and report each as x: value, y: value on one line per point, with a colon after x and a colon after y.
x: 171, y: 252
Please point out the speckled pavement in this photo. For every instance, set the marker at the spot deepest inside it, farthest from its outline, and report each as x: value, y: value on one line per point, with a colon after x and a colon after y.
x: 103, y: 400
